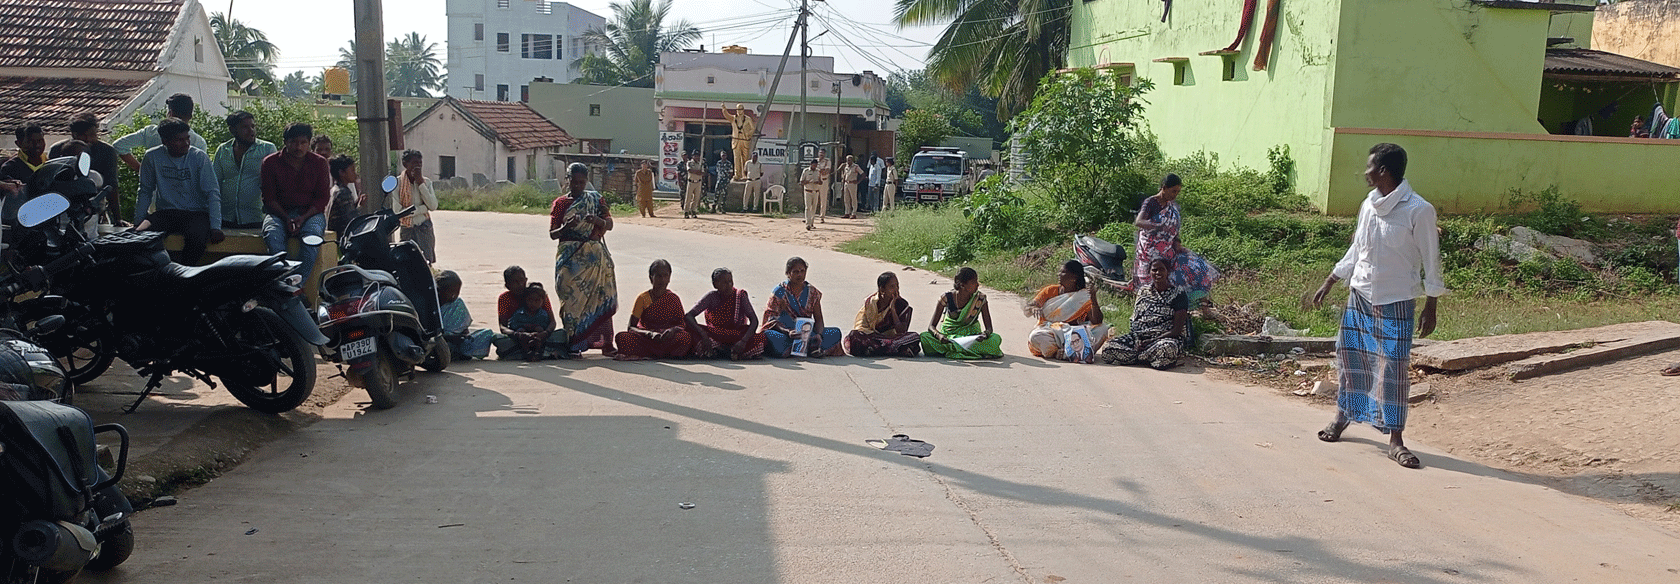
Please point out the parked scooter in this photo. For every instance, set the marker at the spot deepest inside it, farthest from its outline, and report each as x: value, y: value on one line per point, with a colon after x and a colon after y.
x: 1104, y: 262
x: 379, y: 307
x: 60, y: 512
x: 238, y: 320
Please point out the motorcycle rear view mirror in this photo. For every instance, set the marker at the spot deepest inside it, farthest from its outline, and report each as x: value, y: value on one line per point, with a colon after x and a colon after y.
x: 389, y: 184
x: 313, y: 240
x: 42, y: 209
x: 84, y: 163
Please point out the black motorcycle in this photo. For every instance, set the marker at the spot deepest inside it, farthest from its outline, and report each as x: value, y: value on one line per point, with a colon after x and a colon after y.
x: 239, y: 320
x: 379, y: 307
x: 60, y: 512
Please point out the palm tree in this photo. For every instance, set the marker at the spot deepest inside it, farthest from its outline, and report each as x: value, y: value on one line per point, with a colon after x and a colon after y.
x: 412, y: 68
x: 630, y: 44
x: 295, y: 85
x: 248, y: 53
x: 347, y: 59
x: 1003, y: 47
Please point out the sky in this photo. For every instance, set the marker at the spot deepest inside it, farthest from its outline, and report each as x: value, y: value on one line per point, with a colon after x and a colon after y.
x: 310, y: 32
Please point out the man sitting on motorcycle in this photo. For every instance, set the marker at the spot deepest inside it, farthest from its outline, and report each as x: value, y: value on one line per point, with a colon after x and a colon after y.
x: 296, y: 189
x: 179, y: 178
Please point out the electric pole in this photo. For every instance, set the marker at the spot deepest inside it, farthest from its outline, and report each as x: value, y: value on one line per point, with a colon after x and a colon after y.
x: 374, y: 142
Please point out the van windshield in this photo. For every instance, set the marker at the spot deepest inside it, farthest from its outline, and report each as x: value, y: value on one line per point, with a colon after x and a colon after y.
x: 936, y: 165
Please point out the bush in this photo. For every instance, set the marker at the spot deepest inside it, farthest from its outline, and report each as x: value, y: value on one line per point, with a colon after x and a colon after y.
x: 1548, y: 211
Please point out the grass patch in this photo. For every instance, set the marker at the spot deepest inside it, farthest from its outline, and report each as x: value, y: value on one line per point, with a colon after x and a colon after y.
x: 526, y: 198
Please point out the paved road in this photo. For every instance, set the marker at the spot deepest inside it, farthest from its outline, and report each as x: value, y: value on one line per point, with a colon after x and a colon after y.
x: 573, y: 471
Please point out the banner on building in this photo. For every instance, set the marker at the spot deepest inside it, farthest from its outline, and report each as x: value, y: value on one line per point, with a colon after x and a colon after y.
x: 808, y: 152
x: 670, y: 155
x: 771, y: 151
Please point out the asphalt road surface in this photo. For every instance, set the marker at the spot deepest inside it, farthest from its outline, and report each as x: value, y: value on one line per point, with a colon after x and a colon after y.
x: 578, y: 471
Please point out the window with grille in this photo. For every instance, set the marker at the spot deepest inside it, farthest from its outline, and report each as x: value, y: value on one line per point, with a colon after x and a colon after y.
x: 536, y: 46
x: 478, y: 82
x: 478, y: 31
x: 501, y: 42
x: 544, y: 7
x: 501, y: 92
x: 502, y: 4
x: 595, y: 110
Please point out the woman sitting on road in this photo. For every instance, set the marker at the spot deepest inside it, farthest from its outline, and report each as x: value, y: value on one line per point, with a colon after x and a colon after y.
x: 1157, y: 236
x: 794, y: 299
x: 657, y: 327
x: 1160, y: 322
x: 883, y: 325
x: 731, y: 326
x: 1070, y: 325
x: 956, y: 330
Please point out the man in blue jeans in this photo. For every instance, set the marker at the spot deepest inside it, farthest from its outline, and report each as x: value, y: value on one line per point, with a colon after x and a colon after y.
x: 296, y: 189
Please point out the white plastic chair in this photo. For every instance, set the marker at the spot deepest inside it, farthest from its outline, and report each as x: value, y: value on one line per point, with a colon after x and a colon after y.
x: 775, y: 194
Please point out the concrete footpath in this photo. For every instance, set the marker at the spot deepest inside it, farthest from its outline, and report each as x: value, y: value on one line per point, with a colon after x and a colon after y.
x: 704, y: 472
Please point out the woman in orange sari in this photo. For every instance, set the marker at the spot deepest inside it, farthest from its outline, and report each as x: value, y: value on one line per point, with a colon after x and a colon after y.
x: 1070, y: 325
x: 657, y: 327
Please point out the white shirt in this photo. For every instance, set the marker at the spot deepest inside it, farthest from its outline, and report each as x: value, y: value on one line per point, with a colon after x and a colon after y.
x: 753, y: 169
x: 875, y: 169
x: 1396, y: 251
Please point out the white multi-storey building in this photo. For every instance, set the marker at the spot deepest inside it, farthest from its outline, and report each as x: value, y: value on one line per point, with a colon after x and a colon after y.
x: 496, y: 47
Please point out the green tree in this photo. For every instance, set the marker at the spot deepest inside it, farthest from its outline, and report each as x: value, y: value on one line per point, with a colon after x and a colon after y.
x: 921, y: 128
x: 1001, y: 47
x: 412, y: 68
x: 631, y: 42
x: 249, y: 55
x: 295, y: 86
x: 1084, y: 117
x: 970, y: 113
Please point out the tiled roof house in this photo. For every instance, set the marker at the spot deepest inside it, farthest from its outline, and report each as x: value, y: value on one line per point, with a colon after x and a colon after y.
x: 501, y: 140
x: 112, y: 57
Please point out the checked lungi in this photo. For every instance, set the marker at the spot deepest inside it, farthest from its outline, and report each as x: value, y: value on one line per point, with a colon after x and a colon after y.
x: 1373, y: 355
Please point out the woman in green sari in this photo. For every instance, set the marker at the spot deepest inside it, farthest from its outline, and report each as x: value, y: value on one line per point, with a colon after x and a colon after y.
x: 956, y: 330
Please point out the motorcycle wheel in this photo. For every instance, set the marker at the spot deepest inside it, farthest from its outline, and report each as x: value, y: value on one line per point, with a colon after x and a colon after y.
x: 113, y: 549
x: 291, y: 365
x: 440, y: 358
x: 381, y: 382
x: 87, y: 362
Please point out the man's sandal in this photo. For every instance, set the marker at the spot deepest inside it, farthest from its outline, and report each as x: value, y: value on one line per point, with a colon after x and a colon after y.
x: 1405, y: 457
x: 1672, y: 370
x: 1333, y: 432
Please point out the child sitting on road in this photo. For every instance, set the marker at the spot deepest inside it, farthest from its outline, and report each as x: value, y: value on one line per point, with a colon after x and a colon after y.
x: 463, y: 343
x: 529, y: 328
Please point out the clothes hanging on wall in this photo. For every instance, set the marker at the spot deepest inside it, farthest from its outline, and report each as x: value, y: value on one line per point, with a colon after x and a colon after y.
x: 1583, y: 126
x: 1659, y: 120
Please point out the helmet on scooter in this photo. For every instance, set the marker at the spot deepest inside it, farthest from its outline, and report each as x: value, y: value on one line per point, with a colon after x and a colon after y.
x: 63, y: 175
x: 28, y: 372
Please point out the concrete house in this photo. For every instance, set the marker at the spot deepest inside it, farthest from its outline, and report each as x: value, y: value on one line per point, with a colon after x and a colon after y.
x: 497, y: 47
x: 111, y: 57
x: 692, y: 88
x: 486, y: 141
x: 1642, y: 29
x: 605, y: 119
x: 1468, y: 87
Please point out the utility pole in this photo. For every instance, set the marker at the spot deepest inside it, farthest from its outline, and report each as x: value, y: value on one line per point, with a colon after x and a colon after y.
x: 804, y: 86
x: 373, y: 139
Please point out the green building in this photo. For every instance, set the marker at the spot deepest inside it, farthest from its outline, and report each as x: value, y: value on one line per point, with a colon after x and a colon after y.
x: 1485, y: 95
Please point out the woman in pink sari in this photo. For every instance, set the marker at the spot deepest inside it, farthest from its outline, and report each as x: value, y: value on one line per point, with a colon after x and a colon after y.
x: 1157, y: 236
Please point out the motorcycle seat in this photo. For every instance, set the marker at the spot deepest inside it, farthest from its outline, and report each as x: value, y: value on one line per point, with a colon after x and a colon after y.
x: 235, y: 267
x: 374, y: 276
x: 1102, y: 248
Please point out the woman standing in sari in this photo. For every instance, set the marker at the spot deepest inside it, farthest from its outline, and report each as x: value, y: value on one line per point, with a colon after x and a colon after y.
x: 883, y: 325
x: 583, y: 268
x: 1068, y: 316
x: 657, y: 327
x: 1158, y: 221
x: 794, y: 299
x: 1160, y: 325
x: 956, y: 330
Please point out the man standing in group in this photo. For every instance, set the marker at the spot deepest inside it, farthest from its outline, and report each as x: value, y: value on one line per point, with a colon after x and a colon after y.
x: 239, y: 163
x: 180, y: 107
x: 296, y: 189
x: 849, y: 174
x: 696, y: 172
x: 179, y: 178
x: 32, y: 153
x: 1395, y: 257
x: 85, y: 127
x: 889, y: 191
x: 753, y: 170
x: 825, y: 171
x: 877, y: 168
x: 811, y: 180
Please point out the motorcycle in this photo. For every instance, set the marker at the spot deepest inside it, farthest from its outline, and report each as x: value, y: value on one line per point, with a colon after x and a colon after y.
x: 239, y: 320
x: 379, y: 307
x: 60, y: 512
x: 1104, y: 262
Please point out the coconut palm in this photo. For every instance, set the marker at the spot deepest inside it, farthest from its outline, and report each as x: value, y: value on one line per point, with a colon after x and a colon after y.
x: 630, y: 44
x: 1003, y: 47
x: 248, y: 53
x: 412, y: 68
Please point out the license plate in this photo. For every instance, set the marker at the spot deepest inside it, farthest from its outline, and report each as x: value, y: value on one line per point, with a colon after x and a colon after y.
x: 357, y: 348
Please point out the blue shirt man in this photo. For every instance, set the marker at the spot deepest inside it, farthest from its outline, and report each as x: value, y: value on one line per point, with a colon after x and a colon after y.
x: 239, y: 168
x: 178, y: 177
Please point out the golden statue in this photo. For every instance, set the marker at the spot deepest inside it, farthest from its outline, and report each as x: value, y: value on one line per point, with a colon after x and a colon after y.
x: 742, y: 138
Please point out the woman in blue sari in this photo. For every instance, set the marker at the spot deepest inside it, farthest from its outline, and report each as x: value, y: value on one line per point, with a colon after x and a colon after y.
x: 583, y: 268
x: 794, y: 299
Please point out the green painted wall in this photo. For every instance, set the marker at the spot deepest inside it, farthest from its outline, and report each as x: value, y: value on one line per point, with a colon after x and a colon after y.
x: 1577, y: 26
x: 627, y: 115
x: 1465, y: 175
x: 1239, y: 119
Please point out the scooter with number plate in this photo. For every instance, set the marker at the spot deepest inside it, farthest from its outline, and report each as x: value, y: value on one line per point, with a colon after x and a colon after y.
x: 379, y: 307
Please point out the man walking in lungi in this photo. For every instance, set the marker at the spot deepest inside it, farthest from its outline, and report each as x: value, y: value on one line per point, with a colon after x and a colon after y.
x: 1395, y: 257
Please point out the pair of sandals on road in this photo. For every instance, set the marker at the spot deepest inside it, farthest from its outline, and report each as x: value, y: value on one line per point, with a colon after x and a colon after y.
x: 1400, y: 455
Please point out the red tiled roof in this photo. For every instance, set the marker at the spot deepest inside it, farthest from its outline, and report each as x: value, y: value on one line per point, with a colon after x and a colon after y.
x: 51, y: 102
x: 516, y: 124
x: 85, y: 34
